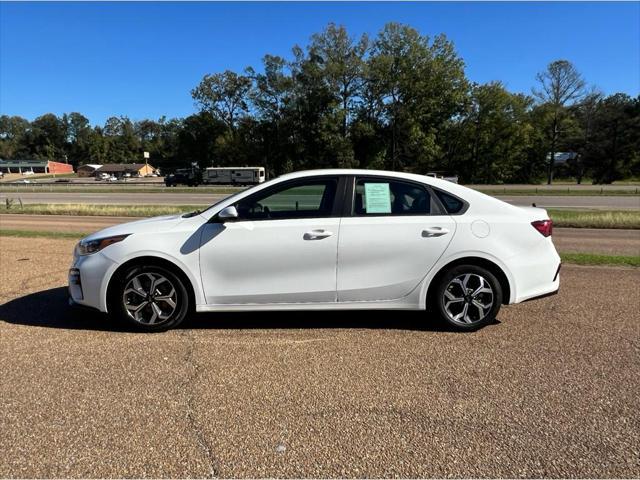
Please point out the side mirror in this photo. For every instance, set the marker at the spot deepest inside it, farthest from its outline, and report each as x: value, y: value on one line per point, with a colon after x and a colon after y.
x: 228, y: 214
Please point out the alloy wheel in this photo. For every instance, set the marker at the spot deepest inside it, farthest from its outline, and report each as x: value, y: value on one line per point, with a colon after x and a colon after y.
x: 468, y: 299
x: 150, y: 298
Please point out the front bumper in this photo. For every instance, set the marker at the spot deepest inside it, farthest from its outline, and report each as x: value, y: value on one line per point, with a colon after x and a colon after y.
x: 88, y: 280
x: 84, y: 308
x: 75, y: 284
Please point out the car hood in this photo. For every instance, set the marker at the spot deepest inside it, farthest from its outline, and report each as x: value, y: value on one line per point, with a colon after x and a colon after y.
x: 147, y: 225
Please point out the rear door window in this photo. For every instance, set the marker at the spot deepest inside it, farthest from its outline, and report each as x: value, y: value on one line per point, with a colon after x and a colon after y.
x: 380, y: 196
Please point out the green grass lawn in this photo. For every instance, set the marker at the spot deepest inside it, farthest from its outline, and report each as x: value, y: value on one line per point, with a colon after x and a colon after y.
x: 598, y: 259
x: 568, y: 191
x: 40, y: 234
x: 596, y: 218
x: 81, y: 209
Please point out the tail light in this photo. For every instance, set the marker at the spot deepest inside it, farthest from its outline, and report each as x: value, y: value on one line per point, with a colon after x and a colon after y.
x: 545, y: 227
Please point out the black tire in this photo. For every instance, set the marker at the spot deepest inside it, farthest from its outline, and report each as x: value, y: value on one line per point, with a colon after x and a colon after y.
x: 448, y: 306
x: 121, y: 303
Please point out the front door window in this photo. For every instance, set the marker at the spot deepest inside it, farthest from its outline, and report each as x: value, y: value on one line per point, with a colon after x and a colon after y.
x: 311, y: 199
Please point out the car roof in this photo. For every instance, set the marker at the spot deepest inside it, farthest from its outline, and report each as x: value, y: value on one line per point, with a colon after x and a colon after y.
x: 436, y: 182
x: 475, y: 198
x: 350, y: 171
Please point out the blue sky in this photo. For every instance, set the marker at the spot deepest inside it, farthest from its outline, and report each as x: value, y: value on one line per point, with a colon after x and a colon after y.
x: 142, y: 59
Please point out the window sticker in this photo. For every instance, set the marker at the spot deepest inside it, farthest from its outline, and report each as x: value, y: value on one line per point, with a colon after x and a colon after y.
x: 377, y: 198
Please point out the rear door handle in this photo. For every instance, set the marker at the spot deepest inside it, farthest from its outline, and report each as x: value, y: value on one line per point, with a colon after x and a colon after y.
x: 434, y: 232
x: 317, y: 234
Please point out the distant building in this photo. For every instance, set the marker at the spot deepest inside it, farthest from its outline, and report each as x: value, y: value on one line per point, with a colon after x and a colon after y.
x: 120, y: 169
x: 35, y: 166
x: 88, y: 170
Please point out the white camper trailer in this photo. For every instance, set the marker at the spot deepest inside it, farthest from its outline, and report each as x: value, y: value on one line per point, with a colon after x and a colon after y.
x: 233, y: 175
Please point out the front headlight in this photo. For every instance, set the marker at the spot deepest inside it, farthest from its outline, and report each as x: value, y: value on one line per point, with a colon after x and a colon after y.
x: 87, y: 247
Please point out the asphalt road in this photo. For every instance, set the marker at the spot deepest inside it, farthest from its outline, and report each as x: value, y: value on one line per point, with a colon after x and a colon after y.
x: 612, y: 242
x: 124, y: 198
x: 551, y: 390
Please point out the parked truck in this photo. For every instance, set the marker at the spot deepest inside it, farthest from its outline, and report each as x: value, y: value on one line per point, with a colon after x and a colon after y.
x: 184, y: 176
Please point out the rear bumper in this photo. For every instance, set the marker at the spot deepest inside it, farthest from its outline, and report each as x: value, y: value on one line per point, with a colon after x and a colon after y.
x: 544, y: 295
x: 536, y: 273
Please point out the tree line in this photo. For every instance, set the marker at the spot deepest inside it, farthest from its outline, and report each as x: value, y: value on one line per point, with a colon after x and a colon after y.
x: 399, y: 101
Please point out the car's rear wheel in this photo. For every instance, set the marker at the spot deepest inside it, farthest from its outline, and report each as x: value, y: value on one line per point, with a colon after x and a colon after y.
x: 467, y: 297
x: 151, y: 298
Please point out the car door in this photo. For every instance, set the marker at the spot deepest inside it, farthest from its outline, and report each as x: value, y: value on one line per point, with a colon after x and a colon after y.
x: 393, y: 235
x: 282, y: 248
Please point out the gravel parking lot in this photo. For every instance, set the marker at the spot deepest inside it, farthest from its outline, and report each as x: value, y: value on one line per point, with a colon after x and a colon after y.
x: 550, y: 390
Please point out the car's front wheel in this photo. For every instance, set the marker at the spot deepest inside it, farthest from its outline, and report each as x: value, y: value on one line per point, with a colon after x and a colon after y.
x: 151, y: 298
x: 467, y: 297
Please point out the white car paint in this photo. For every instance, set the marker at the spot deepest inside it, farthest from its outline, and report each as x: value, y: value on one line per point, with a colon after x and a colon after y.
x: 265, y: 262
x: 340, y: 262
x: 398, y: 254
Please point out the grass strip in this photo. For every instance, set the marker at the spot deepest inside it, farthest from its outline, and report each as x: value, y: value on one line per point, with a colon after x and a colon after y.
x: 559, y: 192
x: 629, y: 219
x: 85, y: 209
x: 598, y: 259
x: 67, y: 188
x: 40, y: 234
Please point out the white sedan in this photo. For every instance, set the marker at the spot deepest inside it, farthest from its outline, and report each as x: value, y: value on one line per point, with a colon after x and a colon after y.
x: 323, y: 240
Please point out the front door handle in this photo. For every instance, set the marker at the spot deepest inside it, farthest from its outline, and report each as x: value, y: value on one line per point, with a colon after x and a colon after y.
x: 317, y: 234
x: 434, y: 232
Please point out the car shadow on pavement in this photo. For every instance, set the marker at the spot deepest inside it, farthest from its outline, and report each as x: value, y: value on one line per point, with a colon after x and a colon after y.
x: 49, y: 308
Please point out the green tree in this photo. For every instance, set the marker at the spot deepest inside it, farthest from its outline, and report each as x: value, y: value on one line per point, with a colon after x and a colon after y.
x: 272, y: 97
x: 315, y: 128
x: 196, y: 142
x: 13, y: 132
x: 341, y: 60
x: 560, y: 85
x: 613, y: 152
x: 417, y: 85
x: 46, y: 138
x: 79, y: 138
x: 123, y: 146
x: 224, y: 95
x: 494, y: 135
